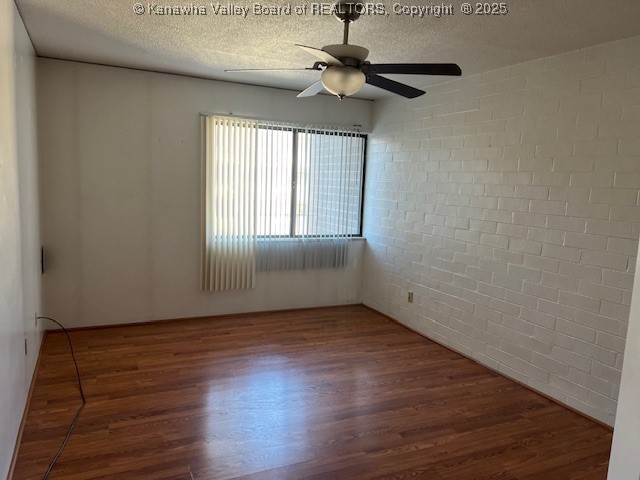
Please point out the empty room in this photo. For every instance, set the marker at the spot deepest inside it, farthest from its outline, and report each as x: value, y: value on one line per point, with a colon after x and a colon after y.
x: 290, y: 240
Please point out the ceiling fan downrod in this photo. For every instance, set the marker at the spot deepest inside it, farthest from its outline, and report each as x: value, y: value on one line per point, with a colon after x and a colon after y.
x: 346, y: 12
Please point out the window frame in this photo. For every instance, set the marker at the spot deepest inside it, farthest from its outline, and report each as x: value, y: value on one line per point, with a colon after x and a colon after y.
x: 294, y: 173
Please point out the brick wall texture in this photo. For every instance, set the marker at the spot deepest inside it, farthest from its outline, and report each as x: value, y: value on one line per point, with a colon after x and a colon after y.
x: 508, y: 203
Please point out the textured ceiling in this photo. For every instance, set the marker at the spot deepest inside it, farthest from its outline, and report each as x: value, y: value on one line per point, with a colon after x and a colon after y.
x: 109, y: 32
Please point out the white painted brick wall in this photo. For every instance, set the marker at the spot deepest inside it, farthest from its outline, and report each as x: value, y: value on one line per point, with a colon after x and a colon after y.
x: 508, y: 202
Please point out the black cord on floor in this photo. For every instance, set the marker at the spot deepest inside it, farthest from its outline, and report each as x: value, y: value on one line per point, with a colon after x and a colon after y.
x: 84, y: 401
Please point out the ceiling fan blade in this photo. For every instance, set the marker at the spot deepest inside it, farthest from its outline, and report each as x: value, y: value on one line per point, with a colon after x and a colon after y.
x: 271, y: 69
x: 322, y: 55
x: 415, y: 68
x: 314, y: 89
x: 393, y: 86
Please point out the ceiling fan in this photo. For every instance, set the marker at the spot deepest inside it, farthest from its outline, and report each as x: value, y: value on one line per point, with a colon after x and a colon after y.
x: 345, y: 69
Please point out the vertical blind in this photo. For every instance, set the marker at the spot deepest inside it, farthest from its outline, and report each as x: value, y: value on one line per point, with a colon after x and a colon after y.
x: 229, y: 204
x: 277, y: 196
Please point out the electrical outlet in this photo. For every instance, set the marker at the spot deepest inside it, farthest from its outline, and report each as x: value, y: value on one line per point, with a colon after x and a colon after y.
x: 410, y: 297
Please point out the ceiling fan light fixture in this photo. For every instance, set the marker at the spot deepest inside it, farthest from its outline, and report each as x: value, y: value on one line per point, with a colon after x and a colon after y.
x: 342, y: 81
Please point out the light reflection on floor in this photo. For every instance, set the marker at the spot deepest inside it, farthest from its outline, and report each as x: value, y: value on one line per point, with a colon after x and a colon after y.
x: 267, y: 411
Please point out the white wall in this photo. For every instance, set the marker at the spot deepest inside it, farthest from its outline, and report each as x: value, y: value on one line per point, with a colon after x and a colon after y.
x: 508, y: 202
x: 624, y: 463
x: 19, y: 226
x: 120, y: 193
x: 28, y: 182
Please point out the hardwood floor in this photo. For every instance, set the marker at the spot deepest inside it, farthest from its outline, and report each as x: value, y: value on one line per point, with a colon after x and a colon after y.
x: 338, y: 393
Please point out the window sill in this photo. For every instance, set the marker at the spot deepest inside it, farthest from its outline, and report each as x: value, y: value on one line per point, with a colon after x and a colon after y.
x: 293, y: 239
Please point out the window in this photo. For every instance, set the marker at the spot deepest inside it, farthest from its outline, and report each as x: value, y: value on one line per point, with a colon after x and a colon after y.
x: 277, y: 196
x: 309, y: 182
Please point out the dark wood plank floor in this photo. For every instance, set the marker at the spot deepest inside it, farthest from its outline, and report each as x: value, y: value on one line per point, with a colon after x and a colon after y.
x: 339, y: 393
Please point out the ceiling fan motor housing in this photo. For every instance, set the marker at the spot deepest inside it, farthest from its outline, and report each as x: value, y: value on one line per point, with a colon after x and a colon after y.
x: 344, y: 52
